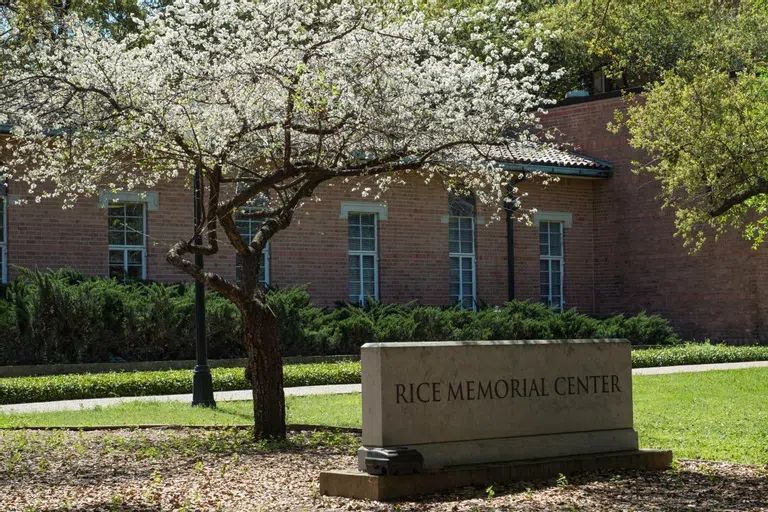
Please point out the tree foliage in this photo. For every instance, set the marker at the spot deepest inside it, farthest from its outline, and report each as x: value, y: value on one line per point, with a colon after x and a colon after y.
x: 707, y: 134
x: 634, y: 42
x: 36, y: 18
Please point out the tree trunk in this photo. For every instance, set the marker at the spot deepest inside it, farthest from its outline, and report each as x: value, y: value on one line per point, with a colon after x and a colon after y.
x: 265, y: 370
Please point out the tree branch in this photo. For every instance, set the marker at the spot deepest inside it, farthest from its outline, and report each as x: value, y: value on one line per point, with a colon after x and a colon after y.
x: 739, y: 197
x: 211, y: 280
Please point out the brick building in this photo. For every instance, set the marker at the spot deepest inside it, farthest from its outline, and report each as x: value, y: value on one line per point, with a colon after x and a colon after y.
x: 599, y: 241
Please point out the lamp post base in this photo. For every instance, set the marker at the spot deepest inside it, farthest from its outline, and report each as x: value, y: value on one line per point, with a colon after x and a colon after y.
x: 202, y: 387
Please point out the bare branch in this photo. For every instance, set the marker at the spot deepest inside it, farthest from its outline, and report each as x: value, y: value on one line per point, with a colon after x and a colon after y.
x: 213, y: 281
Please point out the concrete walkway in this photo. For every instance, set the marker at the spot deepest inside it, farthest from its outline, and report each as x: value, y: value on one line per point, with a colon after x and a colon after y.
x: 220, y: 396
x: 225, y: 396
x: 690, y: 368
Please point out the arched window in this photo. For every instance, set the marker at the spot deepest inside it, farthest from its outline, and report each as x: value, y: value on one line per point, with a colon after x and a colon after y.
x: 461, y: 249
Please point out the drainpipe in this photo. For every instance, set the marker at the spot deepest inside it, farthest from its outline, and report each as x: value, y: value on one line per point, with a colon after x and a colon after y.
x: 510, y: 207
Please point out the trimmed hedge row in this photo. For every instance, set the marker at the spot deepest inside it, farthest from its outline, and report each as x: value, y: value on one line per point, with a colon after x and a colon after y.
x: 698, y: 353
x: 69, y: 387
x: 65, y: 317
x: 17, y: 390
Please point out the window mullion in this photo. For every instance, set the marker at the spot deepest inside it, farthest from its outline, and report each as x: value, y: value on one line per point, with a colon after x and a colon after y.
x: 549, y: 281
x: 460, y: 299
x: 360, y: 260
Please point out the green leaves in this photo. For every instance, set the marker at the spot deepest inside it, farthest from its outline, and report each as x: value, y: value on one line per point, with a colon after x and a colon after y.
x: 697, y: 353
x: 635, y: 41
x: 102, y: 385
x: 706, y: 132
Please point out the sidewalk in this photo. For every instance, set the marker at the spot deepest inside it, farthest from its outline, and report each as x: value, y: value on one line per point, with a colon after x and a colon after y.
x: 225, y: 396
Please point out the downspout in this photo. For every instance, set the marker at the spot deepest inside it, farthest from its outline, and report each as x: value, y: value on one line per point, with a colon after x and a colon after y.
x: 510, y: 207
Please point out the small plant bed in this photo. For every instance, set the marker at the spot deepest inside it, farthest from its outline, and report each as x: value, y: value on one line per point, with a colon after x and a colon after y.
x: 708, y: 415
x: 15, y: 390
x: 697, y: 353
x: 201, y: 470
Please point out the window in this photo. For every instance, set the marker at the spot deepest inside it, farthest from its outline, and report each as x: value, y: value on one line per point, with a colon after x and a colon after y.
x: 127, y: 241
x: 3, y: 245
x: 363, y: 257
x: 248, y: 229
x: 461, y: 250
x: 551, y: 264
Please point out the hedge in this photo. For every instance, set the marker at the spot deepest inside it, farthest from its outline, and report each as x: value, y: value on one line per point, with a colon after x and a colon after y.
x: 80, y: 386
x: 65, y: 317
x: 16, y: 390
x: 698, y: 353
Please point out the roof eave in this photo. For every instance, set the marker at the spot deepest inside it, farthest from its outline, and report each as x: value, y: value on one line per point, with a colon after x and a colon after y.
x: 559, y: 171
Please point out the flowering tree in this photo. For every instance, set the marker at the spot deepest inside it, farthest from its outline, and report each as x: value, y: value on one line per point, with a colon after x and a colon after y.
x: 277, y: 97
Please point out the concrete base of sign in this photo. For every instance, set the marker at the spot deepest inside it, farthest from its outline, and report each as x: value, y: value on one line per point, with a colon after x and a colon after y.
x: 355, y: 484
x: 459, y: 453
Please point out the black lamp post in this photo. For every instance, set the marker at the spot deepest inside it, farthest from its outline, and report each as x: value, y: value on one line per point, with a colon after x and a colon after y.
x: 202, y: 384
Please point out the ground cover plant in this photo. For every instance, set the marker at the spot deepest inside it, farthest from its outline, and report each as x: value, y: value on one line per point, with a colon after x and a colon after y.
x: 698, y: 353
x: 718, y: 415
x: 101, y: 385
x: 65, y: 317
x: 72, y: 386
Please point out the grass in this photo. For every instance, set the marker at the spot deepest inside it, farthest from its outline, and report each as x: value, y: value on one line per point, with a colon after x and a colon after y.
x: 75, y: 386
x: 719, y: 415
x: 335, y: 410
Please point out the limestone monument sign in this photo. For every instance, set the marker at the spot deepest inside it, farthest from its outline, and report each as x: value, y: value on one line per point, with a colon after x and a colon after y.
x: 498, y: 410
x: 471, y: 402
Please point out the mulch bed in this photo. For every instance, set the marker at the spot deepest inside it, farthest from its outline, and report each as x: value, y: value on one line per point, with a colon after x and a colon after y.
x: 223, y: 470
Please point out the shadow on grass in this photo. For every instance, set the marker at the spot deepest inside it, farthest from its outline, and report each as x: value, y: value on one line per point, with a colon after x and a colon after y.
x: 235, y: 413
x: 109, y: 456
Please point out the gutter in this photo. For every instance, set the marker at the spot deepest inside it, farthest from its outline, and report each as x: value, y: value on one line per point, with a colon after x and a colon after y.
x: 562, y: 171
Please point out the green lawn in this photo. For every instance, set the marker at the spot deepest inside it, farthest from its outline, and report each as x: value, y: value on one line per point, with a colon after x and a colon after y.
x: 335, y: 410
x: 708, y: 415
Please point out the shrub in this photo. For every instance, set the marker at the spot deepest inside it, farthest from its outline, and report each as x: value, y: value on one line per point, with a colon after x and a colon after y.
x: 431, y: 325
x: 64, y: 317
x: 641, y: 329
x: 697, y: 353
x: 102, y: 385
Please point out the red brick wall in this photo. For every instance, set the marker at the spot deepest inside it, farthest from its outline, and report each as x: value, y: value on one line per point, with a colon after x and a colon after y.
x: 640, y: 264
x: 620, y: 254
x: 571, y: 195
x: 42, y: 236
x: 413, y: 243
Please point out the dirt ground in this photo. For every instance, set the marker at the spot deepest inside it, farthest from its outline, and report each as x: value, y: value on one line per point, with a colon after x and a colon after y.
x: 204, y: 470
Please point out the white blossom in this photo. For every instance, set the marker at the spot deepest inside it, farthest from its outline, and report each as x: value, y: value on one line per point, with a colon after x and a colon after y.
x: 306, y: 89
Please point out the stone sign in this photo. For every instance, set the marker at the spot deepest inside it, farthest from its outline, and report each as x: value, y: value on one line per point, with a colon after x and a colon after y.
x: 474, y: 402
